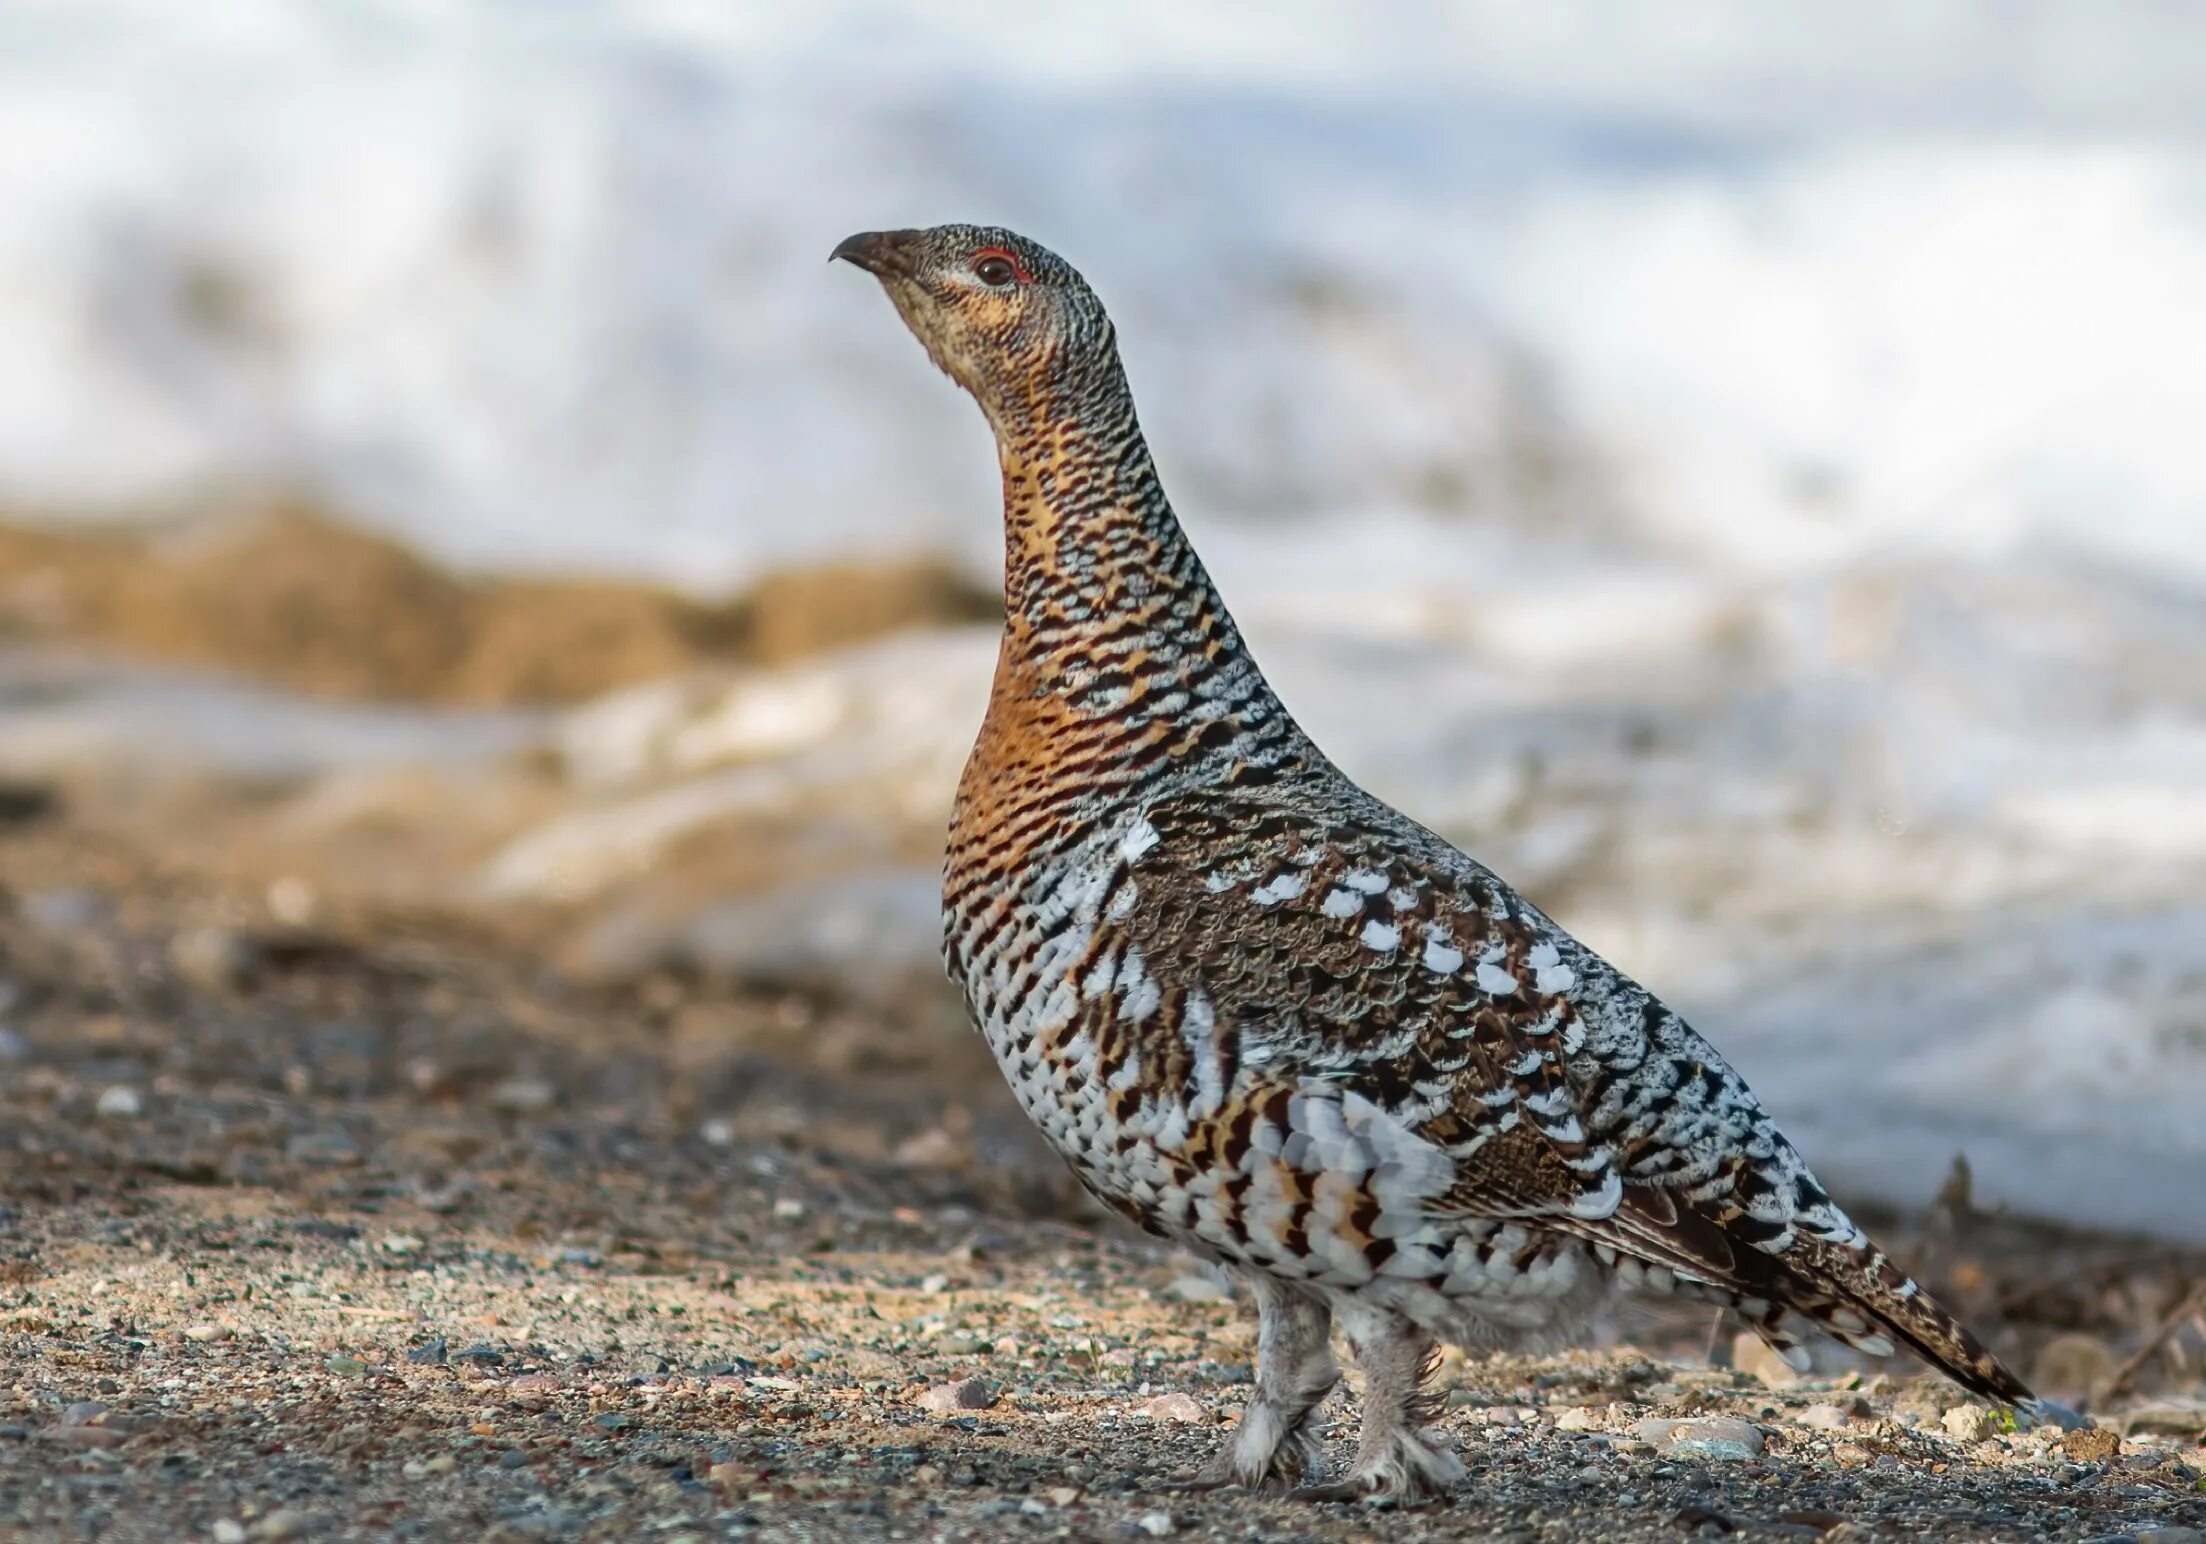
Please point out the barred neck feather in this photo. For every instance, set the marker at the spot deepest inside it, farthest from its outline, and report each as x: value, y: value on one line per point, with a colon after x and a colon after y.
x: 1110, y: 617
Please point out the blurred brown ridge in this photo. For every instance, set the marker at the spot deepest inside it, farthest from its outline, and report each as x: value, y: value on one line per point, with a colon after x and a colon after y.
x: 290, y: 595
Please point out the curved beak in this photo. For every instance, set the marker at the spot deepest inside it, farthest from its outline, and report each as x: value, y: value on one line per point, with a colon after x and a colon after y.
x: 881, y: 253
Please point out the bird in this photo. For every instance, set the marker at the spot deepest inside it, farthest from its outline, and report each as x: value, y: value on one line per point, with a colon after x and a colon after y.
x: 1271, y: 1019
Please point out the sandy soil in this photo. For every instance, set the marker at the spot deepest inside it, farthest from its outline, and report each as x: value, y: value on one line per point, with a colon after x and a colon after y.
x: 376, y: 1230
x: 293, y: 597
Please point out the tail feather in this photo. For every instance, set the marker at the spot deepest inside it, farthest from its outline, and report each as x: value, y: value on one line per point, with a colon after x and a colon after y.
x: 1848, y: 1290
x: 1874, y: 1286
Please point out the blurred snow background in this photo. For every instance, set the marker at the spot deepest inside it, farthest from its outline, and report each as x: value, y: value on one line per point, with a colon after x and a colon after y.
x: 1739, y: 469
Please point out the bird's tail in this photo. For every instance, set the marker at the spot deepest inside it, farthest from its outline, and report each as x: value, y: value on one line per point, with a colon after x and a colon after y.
x: 1869, y: 1294
x: 1848, y: 1290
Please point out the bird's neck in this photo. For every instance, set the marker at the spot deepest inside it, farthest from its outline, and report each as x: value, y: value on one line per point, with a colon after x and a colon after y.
x: 1112, y: 625
x: 1096, y: 568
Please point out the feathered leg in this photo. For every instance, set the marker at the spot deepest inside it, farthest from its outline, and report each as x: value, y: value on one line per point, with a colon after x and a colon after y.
x: 1273, y: 1447
x: 1398, y: 1462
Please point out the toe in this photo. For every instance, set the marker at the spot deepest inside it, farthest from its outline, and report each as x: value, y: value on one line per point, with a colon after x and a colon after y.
x: 1201, y: 1482
x: 1337, y: 1492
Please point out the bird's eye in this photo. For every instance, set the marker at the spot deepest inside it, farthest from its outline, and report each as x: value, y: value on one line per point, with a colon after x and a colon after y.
x: 997, y: 267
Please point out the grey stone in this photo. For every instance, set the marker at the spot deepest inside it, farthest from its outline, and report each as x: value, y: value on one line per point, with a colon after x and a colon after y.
x: 1183, y: 1408
x: 214, y: 958
x: 523, y: 1095
x: 952, y: 1398
x: 331, y: 1148
x: 1712, y: 1437
x: 62, y: 911
x: 120, y: 1103
x: 1822, y: 1418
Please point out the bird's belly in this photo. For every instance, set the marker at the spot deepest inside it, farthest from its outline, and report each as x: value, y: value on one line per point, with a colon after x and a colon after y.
x: 1050, y: 1066
x: 1084, y: 1063
x: 1018, y: 968
x: 1078, y: 1053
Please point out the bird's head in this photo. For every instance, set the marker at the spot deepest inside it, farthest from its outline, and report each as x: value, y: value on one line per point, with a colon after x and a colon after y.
x: 1008, y: 320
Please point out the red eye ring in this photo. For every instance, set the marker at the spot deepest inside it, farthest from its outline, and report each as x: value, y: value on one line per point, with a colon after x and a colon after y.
x: 990, y: 257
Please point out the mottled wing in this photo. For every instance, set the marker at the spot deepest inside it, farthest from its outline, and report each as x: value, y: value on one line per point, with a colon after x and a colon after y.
x: 1715, y: 1193
x: 1360, y: 949
x: 1326, y: 948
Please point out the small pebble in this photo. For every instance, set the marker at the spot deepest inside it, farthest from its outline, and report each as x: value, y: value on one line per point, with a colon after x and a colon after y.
x: 205, y: 1333
x: 513, y: 1458
x: 1184, y: 1408
x: 13, y: 1047
x: 292, y: 901
x: 61, y: 911
x: 1971, y: 1423
x: 283, y: 1523
x: 954, y: 1398
x: 1718, y: 1437
x: 1822, y: 1418
x: 83, y: 1413
x: 213, y: 958
x: 523, y: 1096
x: 333, y: 1149
x: 228, y: 1530
x: 121, y: 1103
x: 91, y: 1436
x: 1156, y: 1524
x: 346, y: 1366
x: 2090, y: 1444
x: 789, y: 1209
x: 428, y: 1354
x: 1578, y: 1418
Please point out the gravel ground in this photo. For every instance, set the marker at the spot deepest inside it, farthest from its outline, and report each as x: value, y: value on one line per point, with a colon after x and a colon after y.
x: 367, y: 1228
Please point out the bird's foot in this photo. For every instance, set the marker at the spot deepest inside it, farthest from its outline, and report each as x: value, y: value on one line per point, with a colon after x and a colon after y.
x: 1264, y: 1453
x: 1410, y: 1470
